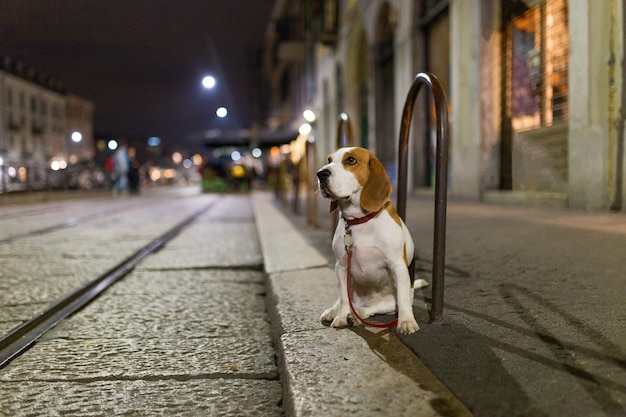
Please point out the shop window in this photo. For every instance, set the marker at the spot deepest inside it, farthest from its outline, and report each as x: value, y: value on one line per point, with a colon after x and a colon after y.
x: 536, y: 62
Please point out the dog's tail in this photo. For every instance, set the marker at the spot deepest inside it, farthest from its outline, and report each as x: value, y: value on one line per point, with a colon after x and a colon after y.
x: 419, y: 283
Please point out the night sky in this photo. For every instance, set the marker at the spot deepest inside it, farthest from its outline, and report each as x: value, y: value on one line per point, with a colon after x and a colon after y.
x: 141, y: 61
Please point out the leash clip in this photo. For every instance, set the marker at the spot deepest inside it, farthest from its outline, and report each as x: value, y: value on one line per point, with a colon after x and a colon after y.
x: 347, y: 238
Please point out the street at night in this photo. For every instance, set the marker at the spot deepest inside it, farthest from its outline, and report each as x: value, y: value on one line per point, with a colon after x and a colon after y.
x: 216, y: 208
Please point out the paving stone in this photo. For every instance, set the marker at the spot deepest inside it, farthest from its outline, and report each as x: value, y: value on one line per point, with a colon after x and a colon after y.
x: 300, y: 297
x: 232, y: 208
x: 216, y: 397
x: 88, y: 359
x: 7, y: 326
x: 210, y: 244
x: 204, y: 304
x: 356, y: 372
x: 284, y: 249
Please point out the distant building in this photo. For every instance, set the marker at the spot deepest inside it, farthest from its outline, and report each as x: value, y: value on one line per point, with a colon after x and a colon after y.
x: 79, y: 117
x: 38, y: 119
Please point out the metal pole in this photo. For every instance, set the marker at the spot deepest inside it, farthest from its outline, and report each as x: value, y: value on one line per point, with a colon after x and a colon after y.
x: 311, y: 160
x: 345, y: 137
x: 441, y: 179
x: 295, y: 179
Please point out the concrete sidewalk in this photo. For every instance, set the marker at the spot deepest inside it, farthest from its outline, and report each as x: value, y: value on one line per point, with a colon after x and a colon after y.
x: 534, y: 306
x: 535, y: 319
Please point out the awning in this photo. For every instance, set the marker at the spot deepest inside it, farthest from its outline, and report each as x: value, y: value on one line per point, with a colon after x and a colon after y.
x: 277, y: 137
x: 215, y: 138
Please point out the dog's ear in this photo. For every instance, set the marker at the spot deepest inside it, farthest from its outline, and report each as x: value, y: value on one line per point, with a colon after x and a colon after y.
x: 377, y: 189
x: 333, y: 206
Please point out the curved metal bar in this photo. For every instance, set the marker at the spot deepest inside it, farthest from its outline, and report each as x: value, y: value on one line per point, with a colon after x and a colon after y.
x: 311, y: 169
x: 345, y: 135
x: 441, y: 178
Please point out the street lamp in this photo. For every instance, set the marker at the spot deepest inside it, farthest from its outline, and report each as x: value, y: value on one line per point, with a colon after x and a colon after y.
x: 305, y: 129
x: 309, y: 115
x: 221, y: 112
x: 77, y: 137
x: 208, y: 82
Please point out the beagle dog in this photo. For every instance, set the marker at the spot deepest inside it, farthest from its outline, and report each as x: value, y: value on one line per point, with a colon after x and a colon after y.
x: 355, y: 181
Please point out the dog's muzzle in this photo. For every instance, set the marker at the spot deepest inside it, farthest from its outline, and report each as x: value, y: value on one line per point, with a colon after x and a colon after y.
x: 322, y: 176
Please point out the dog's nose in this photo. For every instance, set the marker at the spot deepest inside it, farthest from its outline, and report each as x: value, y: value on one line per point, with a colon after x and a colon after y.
x: 323, y: 174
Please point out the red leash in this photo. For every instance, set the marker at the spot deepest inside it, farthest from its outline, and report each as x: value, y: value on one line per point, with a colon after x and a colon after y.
x: 348, y: 242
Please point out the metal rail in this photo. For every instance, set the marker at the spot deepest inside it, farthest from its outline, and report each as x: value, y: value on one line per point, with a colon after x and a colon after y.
x: 345, y: 137
x: 441, y: 178
x: 23, y: 337
x: 311, y: 169
x: 60, y: 226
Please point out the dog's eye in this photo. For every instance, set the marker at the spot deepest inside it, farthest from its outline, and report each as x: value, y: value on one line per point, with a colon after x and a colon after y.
x: 351, y: 160
x: 330, y: 159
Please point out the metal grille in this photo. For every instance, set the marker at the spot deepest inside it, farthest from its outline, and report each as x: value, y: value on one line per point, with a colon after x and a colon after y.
x: 536, y: 57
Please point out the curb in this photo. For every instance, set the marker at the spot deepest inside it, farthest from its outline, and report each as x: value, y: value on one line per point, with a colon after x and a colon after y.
x: 334, y: 372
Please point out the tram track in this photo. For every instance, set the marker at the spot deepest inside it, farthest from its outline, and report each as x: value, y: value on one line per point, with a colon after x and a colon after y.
x: 16, y: 214
x: 18, y: 209
x: 21, y: 338
x: 71, y: 222
x: 59, y: 226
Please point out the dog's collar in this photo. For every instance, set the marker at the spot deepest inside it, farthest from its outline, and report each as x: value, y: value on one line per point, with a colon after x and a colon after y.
x: 366, y: 218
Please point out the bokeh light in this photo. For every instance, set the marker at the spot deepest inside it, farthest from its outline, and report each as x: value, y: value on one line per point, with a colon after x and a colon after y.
x: 208, y: 82
x: 221, y: 112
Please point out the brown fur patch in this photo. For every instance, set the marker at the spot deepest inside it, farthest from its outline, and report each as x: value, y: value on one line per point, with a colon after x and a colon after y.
x: 394, y: 214
x: 396, y: 218
x: 406, y: 261
x: 371, y: 175
x: 360, y: 169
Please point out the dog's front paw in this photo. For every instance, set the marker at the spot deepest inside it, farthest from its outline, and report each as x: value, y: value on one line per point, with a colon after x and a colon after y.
x: 407, y: 326
x: 342, y: 321
x: 328, y: 315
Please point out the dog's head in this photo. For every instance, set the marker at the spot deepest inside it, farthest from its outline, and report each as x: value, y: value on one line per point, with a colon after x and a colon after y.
x: 354, y: 176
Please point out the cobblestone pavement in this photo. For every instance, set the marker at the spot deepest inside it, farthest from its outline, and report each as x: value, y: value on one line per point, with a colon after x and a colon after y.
x: 185, y: 333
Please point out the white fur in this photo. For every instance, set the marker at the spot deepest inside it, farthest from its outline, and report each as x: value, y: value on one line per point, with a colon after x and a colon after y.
x: 379, y: 273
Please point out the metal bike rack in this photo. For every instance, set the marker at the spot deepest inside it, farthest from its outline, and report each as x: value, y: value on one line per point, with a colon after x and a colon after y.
x: 311, y: 169
x: 345, y: 137
x: 441, y: 178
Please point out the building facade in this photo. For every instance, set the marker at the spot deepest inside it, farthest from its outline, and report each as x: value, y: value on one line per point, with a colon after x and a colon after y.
x: 38, y: 123
x: 535, y: 90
